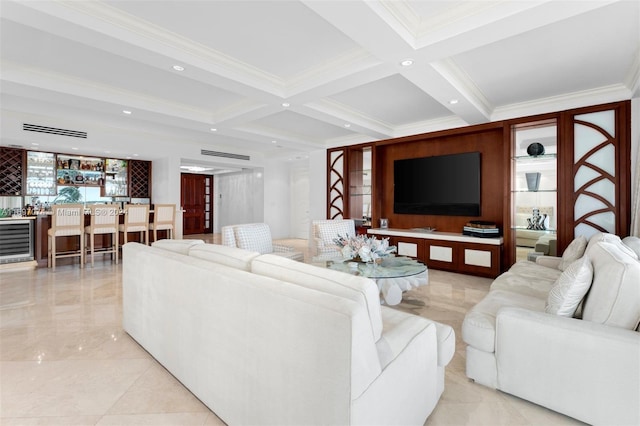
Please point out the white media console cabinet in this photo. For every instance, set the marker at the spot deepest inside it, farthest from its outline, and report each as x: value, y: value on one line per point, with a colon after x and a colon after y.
x: 447, y: 250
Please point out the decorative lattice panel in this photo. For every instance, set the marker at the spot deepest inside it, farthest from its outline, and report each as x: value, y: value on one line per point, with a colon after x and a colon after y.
x: 594, y: 173
x: 11, y: 166
x: 140, y: 174
x: 336, y: 184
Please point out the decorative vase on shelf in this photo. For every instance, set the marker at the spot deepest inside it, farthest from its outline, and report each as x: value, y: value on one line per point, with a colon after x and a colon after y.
x: 535, y: 149
x: 533, y: 181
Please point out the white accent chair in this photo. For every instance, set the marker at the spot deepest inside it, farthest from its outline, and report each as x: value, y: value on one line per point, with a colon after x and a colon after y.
x: 104, y: 220
x: 256, y: 237
x: 136, y: 219
x: 67, y: 220
x: 164, y: 219
x: 325, y: 231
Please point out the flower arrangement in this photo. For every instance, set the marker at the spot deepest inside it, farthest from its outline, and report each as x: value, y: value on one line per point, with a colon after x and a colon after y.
x: 363, y: 248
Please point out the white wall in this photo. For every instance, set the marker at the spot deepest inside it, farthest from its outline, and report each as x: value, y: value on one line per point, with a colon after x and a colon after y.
x: 635, y: 166
x: 165, y: 186
x: 318, y: 184
x: 240, y: 197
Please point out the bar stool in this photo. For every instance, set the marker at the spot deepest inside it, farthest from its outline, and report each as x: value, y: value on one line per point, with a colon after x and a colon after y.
x: 136, y: 219
x: 164, y: 218
x: 67, y: 220
x: 104, y: 220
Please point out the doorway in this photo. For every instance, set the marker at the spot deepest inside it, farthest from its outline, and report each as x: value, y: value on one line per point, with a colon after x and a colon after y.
x: 196, y: 197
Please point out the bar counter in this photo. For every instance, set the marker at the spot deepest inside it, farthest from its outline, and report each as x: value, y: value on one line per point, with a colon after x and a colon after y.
x: 43, y: 224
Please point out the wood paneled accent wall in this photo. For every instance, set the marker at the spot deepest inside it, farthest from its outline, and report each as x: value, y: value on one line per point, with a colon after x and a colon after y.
x: 493, y: 141
x: 486, y: 139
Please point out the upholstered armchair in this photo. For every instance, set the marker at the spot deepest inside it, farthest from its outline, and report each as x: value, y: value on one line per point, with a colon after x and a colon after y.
x: 325, y: 231
x: 257, y: 237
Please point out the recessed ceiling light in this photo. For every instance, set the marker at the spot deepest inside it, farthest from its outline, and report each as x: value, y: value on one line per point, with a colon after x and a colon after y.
x: 107, y: 152
x: 74, y: 148
x: 347, y: 125
x: 213, y: 129
x: 453, y: 101
x: 274, y: 141
x: 407, y: 62
x: 128, y: 158
x: 126, y: 111
x: 35, y: 143
x: 286, y: 104
x: 135, y: 155
x: 178, y: 68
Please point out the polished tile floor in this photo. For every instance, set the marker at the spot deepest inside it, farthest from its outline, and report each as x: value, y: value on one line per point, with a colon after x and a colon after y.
x: 65, y: 360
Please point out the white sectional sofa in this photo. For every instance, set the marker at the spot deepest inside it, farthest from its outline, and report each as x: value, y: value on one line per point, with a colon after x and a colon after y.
x: 525, y: 339
x: 262, y: 339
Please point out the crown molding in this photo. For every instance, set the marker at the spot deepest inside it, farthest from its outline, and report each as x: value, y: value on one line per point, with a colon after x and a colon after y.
x: 112, y: 22
x: 606, y: 94
x: 344, y: 65
x: 632, y: 79
x: 460, y: 81
x: 428, y: 126
x: 343, y: 114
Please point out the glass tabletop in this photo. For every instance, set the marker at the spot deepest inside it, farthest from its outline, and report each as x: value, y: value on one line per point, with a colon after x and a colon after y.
x: 390, y: 267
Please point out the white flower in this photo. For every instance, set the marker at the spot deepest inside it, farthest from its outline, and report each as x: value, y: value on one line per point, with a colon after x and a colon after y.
x: 363, y: 246
x: 365, y: 254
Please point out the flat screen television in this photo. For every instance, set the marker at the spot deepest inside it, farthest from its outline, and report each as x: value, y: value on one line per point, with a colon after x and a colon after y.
x: 440, y: 185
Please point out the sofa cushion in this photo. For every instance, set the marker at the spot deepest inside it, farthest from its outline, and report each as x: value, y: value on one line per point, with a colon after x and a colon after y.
x: 633, y: 243
x: 359, y: 289
x: 479, y: 325
x: 614, y: 297
x: 529, y: 278
x: 178, y: 246
x: 570, y: 288
x: 398, y: 328
x: 573, y: 252
x: 610, y: 238
x: 229, y: 256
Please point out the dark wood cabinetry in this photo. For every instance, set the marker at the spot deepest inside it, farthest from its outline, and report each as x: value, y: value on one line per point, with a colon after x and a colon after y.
x: 12, y: 164
x: 17, y: 172
x: 579, y: 177
x: 140, y: 179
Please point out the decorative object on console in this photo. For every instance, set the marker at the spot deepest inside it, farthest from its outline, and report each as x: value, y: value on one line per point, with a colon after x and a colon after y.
x: 537, y: 221
x: 535, y: 149
x: 533, y: 181
x: 482, y: 229
x: 384, y: 223
x: 362, y: 248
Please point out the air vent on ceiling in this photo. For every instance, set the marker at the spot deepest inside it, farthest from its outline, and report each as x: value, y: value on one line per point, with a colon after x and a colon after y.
x: 54, y: 131
x: 224, y: 154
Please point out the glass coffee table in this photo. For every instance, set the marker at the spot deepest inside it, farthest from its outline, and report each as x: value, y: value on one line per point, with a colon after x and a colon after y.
x: 393, y: 275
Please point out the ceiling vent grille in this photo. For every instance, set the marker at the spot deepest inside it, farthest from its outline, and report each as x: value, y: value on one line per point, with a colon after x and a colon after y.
x: 54, y: 131
x: 224, y: 154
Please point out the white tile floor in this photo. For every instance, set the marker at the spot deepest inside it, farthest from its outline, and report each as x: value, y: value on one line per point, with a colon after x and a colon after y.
x: 65, y: 360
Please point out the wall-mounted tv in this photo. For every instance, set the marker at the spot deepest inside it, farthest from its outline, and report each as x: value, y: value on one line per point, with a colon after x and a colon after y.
x: 440, y: 185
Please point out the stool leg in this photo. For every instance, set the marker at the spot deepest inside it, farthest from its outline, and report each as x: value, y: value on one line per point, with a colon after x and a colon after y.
x: 93, y: 246
x: 82, y: 251
x: 116, y: 242
x: 53, y: 253
x: 49, y: 251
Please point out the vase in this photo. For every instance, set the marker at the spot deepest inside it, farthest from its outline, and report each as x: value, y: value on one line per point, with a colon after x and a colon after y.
x: 533, y: 181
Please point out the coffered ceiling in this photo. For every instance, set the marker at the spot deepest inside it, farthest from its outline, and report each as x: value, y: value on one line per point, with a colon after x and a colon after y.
x: 282, y: 78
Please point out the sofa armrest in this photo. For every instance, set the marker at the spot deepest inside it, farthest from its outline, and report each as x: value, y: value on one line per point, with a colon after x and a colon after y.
x: 549, y: 261
x: 586, y: 370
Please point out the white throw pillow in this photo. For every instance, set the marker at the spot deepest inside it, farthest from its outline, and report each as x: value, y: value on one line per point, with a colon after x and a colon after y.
x: 633, y: 243
x: 574, y: 251
x: 570, y: 288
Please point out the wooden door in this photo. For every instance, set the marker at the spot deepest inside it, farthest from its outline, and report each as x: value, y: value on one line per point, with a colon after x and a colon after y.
x: 192, y: 195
